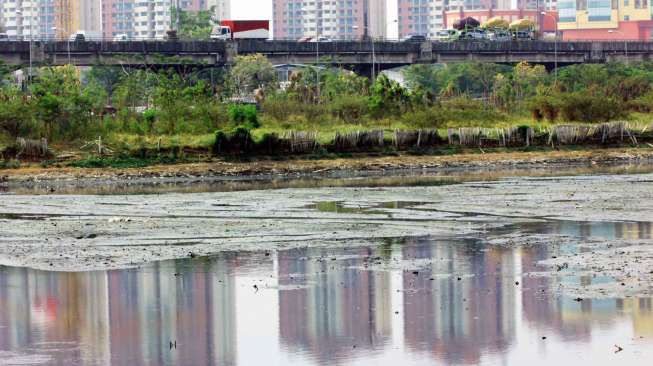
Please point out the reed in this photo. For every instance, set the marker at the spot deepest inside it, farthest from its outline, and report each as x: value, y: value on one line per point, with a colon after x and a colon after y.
x: 570, y: 134
x: 518, y: 136
x: 359, y: 140
x: 32, y: 149
x: 302, y: 142
x: 611, y: 132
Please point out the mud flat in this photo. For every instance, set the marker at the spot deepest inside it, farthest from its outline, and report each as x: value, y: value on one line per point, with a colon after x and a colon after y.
x: 91, y: 232
x: 363, y: 165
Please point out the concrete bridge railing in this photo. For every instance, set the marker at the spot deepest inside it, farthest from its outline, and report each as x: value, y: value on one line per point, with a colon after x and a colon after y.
x: 354, y: 53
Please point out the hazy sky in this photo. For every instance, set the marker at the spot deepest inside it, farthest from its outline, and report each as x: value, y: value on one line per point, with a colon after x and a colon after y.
x: 262, y: 9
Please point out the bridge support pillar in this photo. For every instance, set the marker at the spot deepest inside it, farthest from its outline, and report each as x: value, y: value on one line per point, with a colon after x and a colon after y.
x: 231, y: 51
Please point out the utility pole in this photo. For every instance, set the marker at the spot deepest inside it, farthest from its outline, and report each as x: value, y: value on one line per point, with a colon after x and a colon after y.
x: 177, y: 10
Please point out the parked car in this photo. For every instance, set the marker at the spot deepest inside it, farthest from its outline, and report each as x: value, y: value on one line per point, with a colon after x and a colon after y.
x: 415, y: 38
x: 473, y: 34
x: 499, y: 36
x: 446, y: 35
x: 524, y: 35
x: 79, y: 36
x: 121, y: 38
x: 321, y: 39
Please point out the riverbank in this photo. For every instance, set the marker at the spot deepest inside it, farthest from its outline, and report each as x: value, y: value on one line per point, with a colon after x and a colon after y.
x: 351, y: 166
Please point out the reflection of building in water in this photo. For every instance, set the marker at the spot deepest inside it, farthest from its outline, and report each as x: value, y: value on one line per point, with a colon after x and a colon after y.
x: 455, y: 320
x: 641, y: 311
x: 605, y: 230
x: 125, y: 317
x: 336, y: 309
x: 571, y: 319
x: 540, y: 309
x: 195, y: 308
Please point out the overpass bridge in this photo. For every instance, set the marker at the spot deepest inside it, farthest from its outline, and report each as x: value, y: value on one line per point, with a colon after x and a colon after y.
x: 357, y: 55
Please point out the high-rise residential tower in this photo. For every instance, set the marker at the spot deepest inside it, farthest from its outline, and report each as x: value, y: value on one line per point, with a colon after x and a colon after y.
x: 45, y: 19
x: 222, y: 8
x: 20, y: 18
x: 152, y: 18
x: 118, y: 18
x: 337, y: 19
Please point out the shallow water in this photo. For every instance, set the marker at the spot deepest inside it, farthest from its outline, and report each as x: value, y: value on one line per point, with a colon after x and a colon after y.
x: 412, y: 301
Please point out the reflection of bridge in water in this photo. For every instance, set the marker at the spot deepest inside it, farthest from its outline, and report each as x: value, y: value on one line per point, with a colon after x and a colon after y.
x: 358, y: 55
x: 327, y: 310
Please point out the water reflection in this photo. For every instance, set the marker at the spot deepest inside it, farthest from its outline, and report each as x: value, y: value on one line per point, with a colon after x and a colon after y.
x: 373, y: 178
x: 469, y: 304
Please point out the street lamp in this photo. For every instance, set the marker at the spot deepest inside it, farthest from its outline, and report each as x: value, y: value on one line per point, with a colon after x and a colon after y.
x: 625, y: 42
x: 555, y: 46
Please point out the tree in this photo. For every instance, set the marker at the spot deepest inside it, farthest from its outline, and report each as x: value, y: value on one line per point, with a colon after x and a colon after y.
x: 527, y: 77
x: 15, y: 113
x: 252, y: 72
x: 107, y: 77
x: 65, y: 106
x: 194, y: 24
x: 388, y: 97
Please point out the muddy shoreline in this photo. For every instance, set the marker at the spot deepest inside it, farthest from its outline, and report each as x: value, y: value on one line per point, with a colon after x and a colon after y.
x: 265, y: 170
x: 88, y: 230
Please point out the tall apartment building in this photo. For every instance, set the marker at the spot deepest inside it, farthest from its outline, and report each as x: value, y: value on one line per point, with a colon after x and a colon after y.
x: 151, y: 18
x: 615, y: 19
x: 117, y: 18
x: 337, y: 19
x: 20, y: 18
x: 427, y: 17
x: 222, y: 8
x: 46, y: 19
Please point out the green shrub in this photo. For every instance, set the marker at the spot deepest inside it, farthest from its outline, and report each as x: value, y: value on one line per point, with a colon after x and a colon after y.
x: 583, y: 107
x: 9, y: 164
x: 463, y: 104
x: 350, y: 109
x: 577, y: 107
x: 245, y: 115
x: 425, y: 118
x: 149, y: 116
x: 543, y: 107
x: 642, y: 103
x: 237, y: 141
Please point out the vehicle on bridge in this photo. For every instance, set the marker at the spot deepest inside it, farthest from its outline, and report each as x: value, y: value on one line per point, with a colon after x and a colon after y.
x: 446, y: 35
x: 82, y: 36
x: 415, y: 38
x: 241, y: 29
x: 121, y: 38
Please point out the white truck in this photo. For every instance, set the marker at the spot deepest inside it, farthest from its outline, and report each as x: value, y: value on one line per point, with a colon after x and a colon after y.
x: 241, y: 29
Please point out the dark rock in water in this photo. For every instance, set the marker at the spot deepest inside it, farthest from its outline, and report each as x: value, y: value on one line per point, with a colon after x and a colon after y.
x: 618, y: 349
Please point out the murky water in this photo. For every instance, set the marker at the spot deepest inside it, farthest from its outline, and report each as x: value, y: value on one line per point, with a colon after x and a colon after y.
x: 415, y: 301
